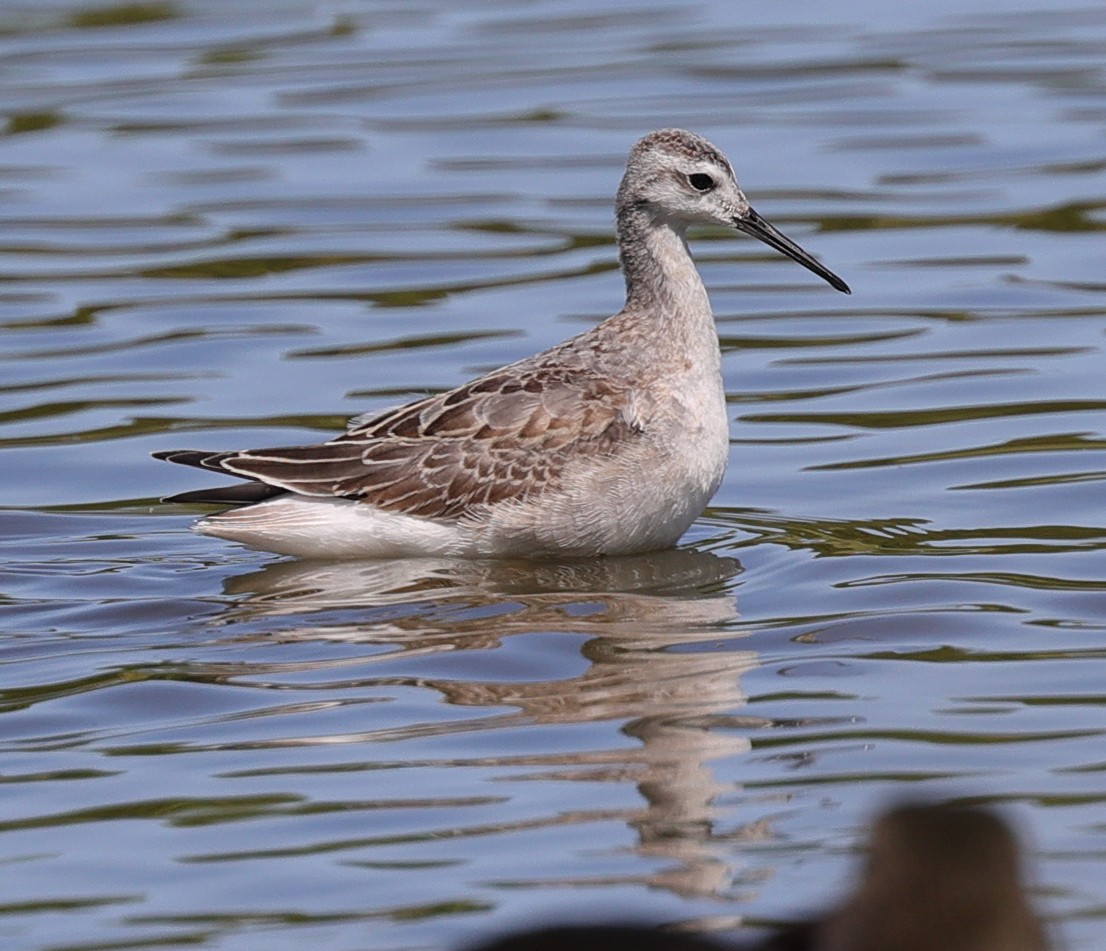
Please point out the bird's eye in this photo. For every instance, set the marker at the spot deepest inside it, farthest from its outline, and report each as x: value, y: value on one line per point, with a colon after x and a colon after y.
x: 701, y: 182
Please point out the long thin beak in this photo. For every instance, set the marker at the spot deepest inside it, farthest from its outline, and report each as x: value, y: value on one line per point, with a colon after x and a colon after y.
x: 753, y: 224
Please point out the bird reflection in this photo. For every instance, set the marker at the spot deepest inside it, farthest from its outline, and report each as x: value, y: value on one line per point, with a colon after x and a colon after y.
x: 660, y: 628
x: 661, y: 587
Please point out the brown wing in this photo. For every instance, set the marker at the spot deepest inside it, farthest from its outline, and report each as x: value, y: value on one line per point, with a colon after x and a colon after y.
x: 506, y: 436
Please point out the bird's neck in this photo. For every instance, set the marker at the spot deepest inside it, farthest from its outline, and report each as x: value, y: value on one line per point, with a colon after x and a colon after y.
x: 661, y: 279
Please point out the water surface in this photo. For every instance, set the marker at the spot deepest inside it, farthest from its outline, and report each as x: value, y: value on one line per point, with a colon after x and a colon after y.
x: 219, y: 229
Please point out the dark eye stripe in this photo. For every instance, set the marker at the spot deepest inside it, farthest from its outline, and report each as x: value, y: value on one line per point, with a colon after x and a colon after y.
x: 701, y: 182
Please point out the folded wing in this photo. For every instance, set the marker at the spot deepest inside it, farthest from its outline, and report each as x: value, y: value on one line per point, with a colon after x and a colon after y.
x: 507, y: 436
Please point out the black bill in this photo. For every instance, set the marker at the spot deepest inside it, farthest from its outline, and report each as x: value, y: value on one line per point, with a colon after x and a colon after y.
x: 753, y: 224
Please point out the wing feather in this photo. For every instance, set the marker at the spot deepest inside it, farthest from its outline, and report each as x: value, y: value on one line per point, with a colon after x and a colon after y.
x: 506, y: 436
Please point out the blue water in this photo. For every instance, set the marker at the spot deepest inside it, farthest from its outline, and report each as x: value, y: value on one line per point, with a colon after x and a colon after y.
x: 221, y: 228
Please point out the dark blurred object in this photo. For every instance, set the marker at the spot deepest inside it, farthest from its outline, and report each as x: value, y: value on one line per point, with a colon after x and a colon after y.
x: 600, y: 938
x: 937, y: 877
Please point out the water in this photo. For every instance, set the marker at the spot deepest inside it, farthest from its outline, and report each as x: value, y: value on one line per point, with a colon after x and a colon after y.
x: 221, y: 229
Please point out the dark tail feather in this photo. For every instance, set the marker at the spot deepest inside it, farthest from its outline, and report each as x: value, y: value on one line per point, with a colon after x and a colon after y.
x: 239, y: 493
x: 194, y: 457
x: 243, y: 493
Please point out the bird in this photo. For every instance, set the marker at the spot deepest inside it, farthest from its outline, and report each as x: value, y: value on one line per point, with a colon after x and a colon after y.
x: 610, y: 443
